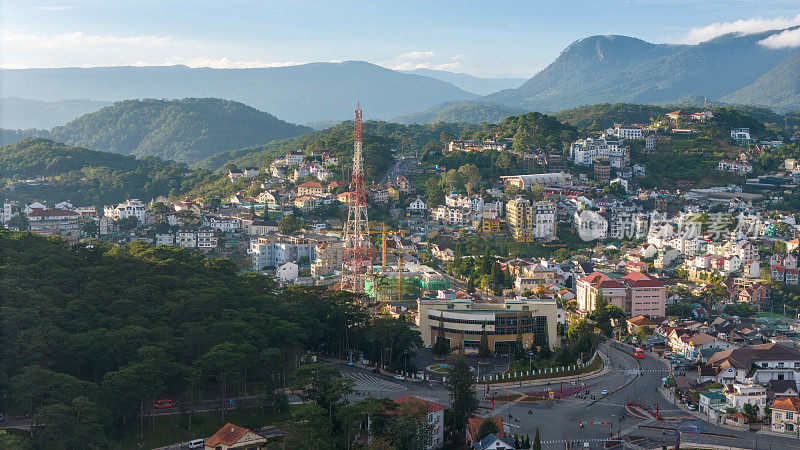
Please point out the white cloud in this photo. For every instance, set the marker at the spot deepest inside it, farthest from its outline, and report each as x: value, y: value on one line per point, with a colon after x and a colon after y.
x: 53, y: 8
x: 423, y: 60
x: 19, y: 50
x: 749, y: 26
x: 221, y: 63
x: 784, y: 39
x: 18, y: 42
x: 416, y: 56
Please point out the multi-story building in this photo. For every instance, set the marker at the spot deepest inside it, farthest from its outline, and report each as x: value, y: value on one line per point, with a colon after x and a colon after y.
x: 737, y: 395
x: 223, y: 224
x: 786, y: 415
x: 186, y: 238
x: 741, y: 135
x: 54, y: 219
x: 164, y: 239
x: 597, y: 284
x: 310, y: 188
x: 625, y: 131
x: 535, y: 179
x: 329, y: 256
x: 735, y: 166
x: 636, y: 293
x: 206, y: 239
x: 464, y: 319
x: 602, y: 170
x: 759, y: 363
x: 528, y: 220
x: 275, y: 249
x: 584, y: 151
x: 129, y: 208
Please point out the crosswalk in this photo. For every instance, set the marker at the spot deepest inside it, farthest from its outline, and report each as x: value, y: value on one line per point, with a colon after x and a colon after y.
x: 365, y: 382
x: 564, y: 441
x: 607, y: 403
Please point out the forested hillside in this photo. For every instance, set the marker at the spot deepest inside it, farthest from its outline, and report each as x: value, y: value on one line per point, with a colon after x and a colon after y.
x: 380, y: 138
x: 87, y: 177
x: 186, y: 130
x: 610, y: 68
x: 461, y: 112
x: 92, y: 333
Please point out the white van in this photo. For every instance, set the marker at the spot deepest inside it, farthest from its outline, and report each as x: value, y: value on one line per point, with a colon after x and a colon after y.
x: 197, y: 443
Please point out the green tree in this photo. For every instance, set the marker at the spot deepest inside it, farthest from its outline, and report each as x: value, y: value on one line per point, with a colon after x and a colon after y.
x: 441, y: 347
x: 461, y: 385
x: 75, y: 425
x: 751, y: 412
x: 290, y: 224
x: 487, y: 427
x: 537, y: 441
x: 483, y: 349
x: 411, y: 429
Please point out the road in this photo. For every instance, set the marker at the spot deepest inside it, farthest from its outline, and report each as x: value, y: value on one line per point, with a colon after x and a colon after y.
x: 558, y: 420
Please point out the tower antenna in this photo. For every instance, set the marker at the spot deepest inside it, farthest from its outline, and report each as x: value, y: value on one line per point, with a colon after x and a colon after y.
x: 357, y: 263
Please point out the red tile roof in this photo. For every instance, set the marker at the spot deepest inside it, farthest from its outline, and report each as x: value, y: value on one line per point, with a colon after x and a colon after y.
x: 473, y: 423
x: 409, y: 398
x: 52, y: 213
x: 228, y: 435
x: 787, y: 404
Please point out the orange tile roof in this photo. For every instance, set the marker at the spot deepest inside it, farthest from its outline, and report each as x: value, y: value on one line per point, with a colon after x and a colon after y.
x: 473, y: 423
x: 228, y: 435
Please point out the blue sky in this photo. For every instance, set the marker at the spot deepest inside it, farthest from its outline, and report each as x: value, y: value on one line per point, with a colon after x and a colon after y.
x: 484, y: 38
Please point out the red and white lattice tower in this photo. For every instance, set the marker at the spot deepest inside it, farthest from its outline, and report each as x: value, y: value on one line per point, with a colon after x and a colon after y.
x: 357, y: 264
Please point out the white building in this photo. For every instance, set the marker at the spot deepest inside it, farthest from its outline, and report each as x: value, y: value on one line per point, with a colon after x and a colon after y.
x: 741, y: 135
x: 164, y: 239
x: 223, y: 224
x: 129, y: 208
x: 584, y: 151
x: 417, y: 205
x: 735, y: 166
x: 206, y: 238
x: 625, y: 131
x: 186, y: 238
x: 288, y: 271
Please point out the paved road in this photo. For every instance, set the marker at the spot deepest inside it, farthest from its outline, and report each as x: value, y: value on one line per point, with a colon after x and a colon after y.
x: 558, y: 420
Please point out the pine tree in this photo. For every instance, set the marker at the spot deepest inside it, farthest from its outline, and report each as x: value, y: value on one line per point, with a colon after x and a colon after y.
x: 537, y: 441
x: 517, y: 443
x: 470, y: 285
x: 441, y: 347
x: 483, y: 350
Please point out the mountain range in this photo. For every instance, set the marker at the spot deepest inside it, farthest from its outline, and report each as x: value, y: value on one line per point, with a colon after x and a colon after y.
x: 733, y: 68
x: 302, y: 93
x: 23, y: 113
x: 470, y: 83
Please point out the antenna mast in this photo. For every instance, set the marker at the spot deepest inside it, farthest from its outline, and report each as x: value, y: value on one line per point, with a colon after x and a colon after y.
x: 357, y: 263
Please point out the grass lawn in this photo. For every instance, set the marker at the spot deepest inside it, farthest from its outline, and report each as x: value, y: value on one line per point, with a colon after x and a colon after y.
x: 173, y: 429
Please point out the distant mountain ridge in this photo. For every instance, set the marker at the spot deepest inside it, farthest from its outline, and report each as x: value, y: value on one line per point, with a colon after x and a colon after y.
x: 185, y: 130
x: 23, y: 113
x: 461, y: 112
x: 470, y: 83
x: 302, y: 93
x: 602, y: 69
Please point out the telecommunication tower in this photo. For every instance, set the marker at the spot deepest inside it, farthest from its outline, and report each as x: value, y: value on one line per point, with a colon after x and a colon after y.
x: 357, y: 264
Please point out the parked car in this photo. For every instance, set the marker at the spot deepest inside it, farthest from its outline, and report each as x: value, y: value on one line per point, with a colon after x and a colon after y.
x: 197, y: 443
x: 350, y: 363
x: 375, y: 370
x: 399, y: 377
x: 604, y: 392
x: 692, y: 407
x: 163, y: 404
